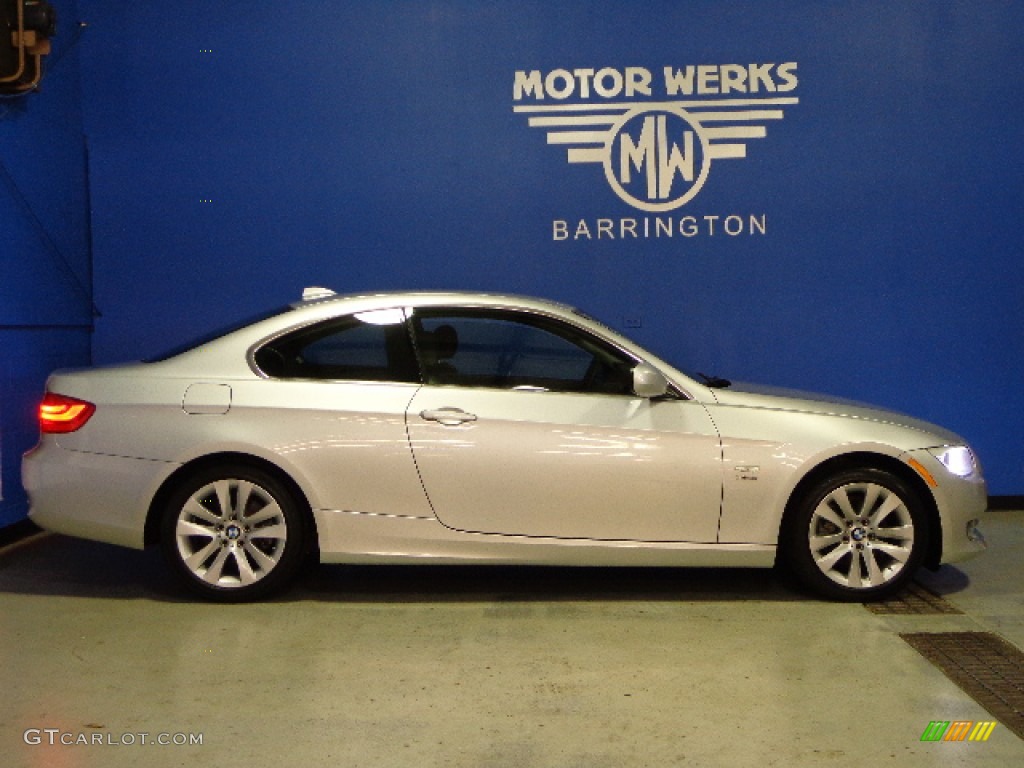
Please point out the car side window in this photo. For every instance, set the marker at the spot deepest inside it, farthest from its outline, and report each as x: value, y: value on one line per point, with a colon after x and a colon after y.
x: 516, y: 350
x: 346, y: 348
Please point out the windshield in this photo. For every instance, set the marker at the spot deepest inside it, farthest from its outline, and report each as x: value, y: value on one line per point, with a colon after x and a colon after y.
x: 713, y: 381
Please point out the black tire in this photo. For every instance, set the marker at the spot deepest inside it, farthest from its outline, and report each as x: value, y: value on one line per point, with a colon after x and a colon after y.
x: 859, y: 535
x: 233, y: 533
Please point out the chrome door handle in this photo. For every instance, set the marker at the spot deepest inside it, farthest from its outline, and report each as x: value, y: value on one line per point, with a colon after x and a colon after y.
x: 450, y: 417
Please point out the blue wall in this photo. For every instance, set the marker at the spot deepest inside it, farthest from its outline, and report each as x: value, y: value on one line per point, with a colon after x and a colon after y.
x: 45, y: 283
x: 242, y: 150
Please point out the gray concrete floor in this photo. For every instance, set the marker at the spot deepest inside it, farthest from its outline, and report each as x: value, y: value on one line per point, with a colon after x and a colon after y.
x: 497, y: 667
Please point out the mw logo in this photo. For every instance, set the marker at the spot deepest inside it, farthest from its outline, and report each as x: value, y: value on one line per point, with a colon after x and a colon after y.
x: 656, y: 161
x: 655, y: 144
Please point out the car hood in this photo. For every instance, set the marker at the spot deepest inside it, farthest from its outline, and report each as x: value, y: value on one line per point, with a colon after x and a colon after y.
x: 747, y: 395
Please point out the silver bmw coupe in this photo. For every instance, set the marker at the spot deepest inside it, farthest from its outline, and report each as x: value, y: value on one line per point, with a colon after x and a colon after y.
x: 472, y: 428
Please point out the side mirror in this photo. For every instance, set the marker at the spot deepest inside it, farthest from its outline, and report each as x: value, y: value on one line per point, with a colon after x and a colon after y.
x: 648, y: 381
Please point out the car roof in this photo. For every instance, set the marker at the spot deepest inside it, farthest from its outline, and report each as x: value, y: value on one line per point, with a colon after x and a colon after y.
x: 214, y: 352
x: 316, y: 296
x: 227, y: 355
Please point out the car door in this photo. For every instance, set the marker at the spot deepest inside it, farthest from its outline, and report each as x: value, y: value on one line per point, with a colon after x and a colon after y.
x: 527, y: 425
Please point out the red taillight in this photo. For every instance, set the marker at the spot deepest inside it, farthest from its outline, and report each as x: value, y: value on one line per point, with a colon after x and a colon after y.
x: 60, y: 414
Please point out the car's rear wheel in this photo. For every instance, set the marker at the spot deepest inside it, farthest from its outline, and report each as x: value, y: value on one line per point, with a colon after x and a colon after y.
x: 858, y: 535
x: 233, y: 533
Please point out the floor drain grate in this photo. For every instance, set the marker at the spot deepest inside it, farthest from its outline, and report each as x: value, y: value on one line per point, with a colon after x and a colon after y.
x: 986, y: 667
x: 915, y: 600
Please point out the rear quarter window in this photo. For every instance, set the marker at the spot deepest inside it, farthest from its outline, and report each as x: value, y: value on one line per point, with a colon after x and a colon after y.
x: 341, y: 349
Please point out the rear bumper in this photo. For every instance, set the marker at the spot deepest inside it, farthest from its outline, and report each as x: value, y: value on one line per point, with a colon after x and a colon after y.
x: 92, y: 496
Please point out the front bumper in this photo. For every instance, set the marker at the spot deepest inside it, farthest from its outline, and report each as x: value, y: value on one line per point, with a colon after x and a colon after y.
x: 961, y: 502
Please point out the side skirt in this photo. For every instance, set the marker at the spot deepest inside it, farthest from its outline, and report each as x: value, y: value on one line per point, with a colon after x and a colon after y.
x: 353, y: 537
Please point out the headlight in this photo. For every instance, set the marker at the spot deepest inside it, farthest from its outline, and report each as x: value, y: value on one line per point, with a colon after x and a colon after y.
x: 958, y: 459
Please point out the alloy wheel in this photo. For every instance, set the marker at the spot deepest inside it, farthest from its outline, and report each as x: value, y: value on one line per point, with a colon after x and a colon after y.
x: 234, y: 532
x: 861, y: 535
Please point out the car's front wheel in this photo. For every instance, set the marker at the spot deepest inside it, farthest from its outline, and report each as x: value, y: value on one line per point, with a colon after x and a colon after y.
x: 858, y: 535
x: 233, y: 533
